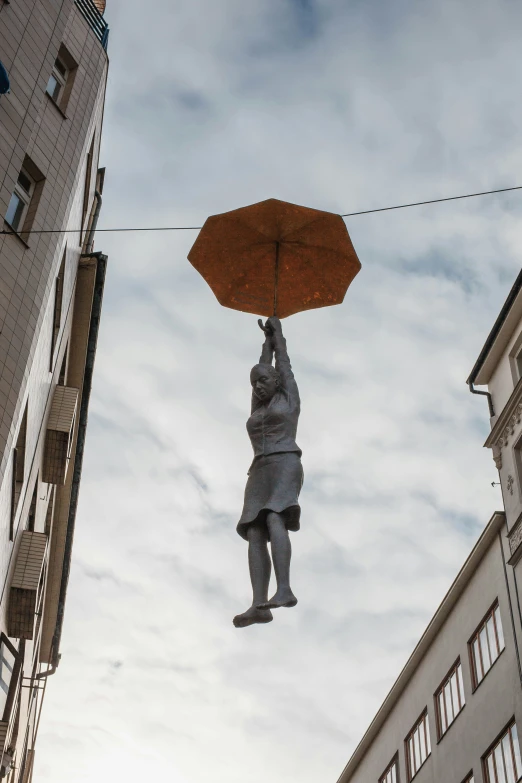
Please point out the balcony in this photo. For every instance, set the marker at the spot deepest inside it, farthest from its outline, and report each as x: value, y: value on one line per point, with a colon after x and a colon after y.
x: 95, y: 20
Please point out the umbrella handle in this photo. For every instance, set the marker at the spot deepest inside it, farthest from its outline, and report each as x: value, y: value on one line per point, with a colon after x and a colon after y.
x: 265, y: 329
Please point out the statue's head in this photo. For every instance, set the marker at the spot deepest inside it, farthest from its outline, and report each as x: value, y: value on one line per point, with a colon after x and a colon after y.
x: 265, y: 381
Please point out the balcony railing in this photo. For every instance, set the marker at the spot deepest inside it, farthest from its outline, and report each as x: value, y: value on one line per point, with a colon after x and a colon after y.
x: 95, y: 20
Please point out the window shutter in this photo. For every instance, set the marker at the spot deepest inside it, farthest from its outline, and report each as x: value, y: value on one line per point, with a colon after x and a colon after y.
x: 4, y: 726
x: 59, y: 435
x: 24, y: 585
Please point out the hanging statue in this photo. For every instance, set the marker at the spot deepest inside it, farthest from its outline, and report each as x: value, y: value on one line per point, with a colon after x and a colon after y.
x: 274, y: 259
x: 271, y: 506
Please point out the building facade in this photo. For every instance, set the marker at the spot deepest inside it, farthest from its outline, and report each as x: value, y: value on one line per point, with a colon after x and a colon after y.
x: 454, y: 715
x: 54, y: 57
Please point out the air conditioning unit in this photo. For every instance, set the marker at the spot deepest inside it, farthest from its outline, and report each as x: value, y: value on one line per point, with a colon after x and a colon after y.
x: 60, y: 429
x: 25, y: 584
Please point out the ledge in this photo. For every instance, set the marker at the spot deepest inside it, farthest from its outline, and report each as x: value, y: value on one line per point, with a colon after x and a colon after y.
x: 504, y: 420
x: 51, y: 99
x: 515, y: 542
x: 505, y: 425
x: 13, y: 233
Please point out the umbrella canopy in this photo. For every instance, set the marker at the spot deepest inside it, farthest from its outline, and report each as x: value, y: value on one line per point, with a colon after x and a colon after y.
x: 275, y: 258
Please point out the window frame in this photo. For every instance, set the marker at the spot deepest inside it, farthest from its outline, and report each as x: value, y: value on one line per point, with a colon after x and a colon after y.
x: 440, y: 691
x: 393, y: 763
x: 15, y: 676
x: 475, y: 681
x: 24, y: 197
x: 18, y: 469
x: 424, y: 720
x: 506, y: 731
x: 59, y: 78
x: 64, y: 77
x: 56, y: 323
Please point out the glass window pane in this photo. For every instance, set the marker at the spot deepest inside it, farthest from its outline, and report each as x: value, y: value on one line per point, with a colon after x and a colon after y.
x: 51, y: 84
x: 449, y: 703
x: 442, y: 713
x: 461, y: 685
x: 455, y: 694
x: 516, y: 751
x: 60, y: 67
x: 416, y: 750
x: 25, y: 182
x: 7, y: 662
x: 500, y: 632
x: 509, y: 761
x: 424, y: 750
x: 499, y: 763
x: 493, y: 646
x: 14, y: 211
x: 484, y: 648
x: 412, y: 756
x: 479, y: 673
x: 428, y: 740
x: 491, y: 769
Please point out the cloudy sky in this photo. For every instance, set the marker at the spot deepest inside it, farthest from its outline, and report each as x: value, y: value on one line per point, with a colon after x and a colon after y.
x: 341, y: 106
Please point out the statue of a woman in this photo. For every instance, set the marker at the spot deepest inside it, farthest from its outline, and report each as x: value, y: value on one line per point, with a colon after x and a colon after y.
x: 271, y: 506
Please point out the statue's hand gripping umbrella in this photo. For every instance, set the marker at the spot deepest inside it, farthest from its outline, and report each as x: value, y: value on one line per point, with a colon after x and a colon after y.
x: 274, y: 259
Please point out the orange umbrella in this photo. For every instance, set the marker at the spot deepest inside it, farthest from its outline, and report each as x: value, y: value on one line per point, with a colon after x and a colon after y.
x: 275, y: 258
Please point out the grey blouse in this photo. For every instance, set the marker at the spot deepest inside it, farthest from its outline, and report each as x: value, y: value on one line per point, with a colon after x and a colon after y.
x: 272, y: 427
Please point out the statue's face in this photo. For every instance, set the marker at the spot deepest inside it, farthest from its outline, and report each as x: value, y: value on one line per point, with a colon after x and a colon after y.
x: 264, y: 383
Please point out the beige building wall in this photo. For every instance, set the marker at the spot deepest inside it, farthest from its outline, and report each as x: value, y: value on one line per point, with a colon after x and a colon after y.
x: 493, y: 572
x: 489, y: 708
x: 57, y: 143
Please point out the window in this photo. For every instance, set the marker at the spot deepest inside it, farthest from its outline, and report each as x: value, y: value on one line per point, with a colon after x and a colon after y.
x: 418, y: 745
x: 49, y: 514
x: 61, y: 80
x: 469, y: 779
x: 57, y: 309
x: 19, y: 203
x: 7, y: 664
x: 449, y: 699
x: 31, y: 517
x: 18, y: 471
x: 23, y: 205
x: 518, y: 362
x: 63, y: 369
x: 486, y: 645
x: 392, y: 773
x: 502, y: 763
x: 9, y: 658
x: 87, y: 182
x: 57, y: 80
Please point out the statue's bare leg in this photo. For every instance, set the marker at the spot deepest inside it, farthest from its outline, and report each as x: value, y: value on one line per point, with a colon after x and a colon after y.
x: 260, y: 567
x: 281, y: 554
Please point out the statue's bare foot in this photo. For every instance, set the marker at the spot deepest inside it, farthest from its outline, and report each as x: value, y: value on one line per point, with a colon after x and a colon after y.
x: 251, y: 616
x: 281, y: 598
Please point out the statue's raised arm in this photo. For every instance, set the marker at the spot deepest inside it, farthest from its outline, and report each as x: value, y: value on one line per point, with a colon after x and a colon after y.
x: 282, y: 360
x: 271, y: 507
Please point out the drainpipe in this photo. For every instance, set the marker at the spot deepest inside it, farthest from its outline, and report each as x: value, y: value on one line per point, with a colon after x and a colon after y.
x: 80, y: 446
x: 48, y: 672
x: 485, y: 394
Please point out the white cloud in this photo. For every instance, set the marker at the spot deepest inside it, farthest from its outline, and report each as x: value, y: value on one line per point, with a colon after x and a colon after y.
x: 213, y: 106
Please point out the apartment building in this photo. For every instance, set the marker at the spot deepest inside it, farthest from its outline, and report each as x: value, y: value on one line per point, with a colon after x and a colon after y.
x: 454, y: 715
x: 53, y: 55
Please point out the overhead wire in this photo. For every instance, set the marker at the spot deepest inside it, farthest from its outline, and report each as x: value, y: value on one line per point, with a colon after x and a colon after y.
x: 198, y: 228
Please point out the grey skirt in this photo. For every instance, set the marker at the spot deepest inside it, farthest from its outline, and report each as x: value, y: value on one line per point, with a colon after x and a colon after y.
x: 274, y: 483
